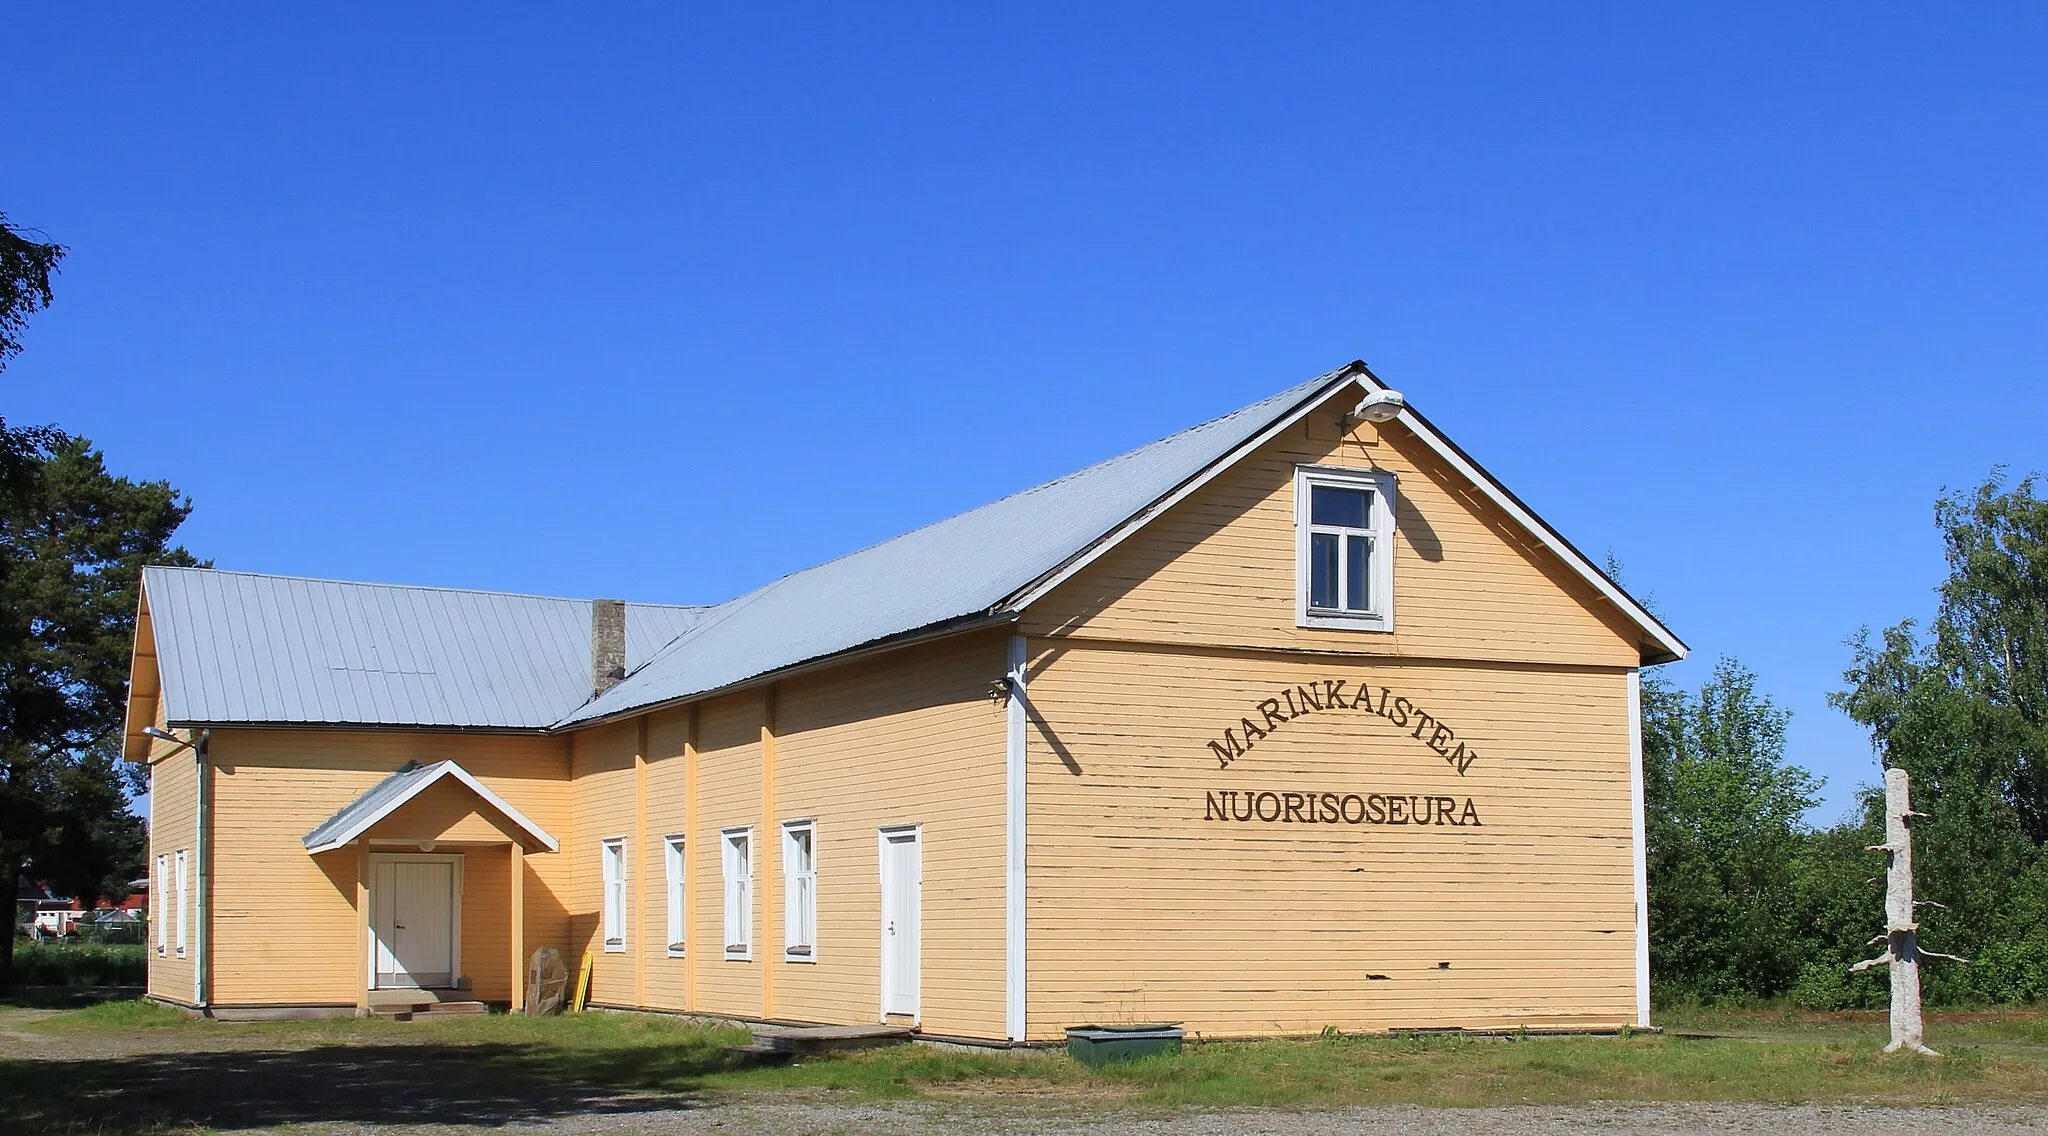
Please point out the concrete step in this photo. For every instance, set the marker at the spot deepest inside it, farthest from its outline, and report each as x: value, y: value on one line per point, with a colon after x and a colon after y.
x: 451, y: 1009
x: 802, y: 1040
x: 758, y: 1054
x: 404, y: 1003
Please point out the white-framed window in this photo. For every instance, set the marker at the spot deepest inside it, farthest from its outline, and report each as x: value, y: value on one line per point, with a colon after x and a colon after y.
x: 184, y: 900
x: 159, y: 889
x: 676, y: 867
x: 1344, y: 548
x: 800, y: 891
x: 613, y: 853
x: 737, y: 853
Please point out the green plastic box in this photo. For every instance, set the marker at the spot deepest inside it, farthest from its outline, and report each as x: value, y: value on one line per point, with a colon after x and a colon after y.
x: 1096, y: 1046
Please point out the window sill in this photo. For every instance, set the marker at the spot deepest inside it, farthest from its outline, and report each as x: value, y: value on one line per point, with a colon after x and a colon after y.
x: 808, y: 956
x: 1333, y: 621
x: 676, y: 954
x: 739, y: 956
x: 615, y: 946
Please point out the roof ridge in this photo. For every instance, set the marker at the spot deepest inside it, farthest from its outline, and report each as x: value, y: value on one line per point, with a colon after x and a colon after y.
x: 1104, y: 463
x: 1261, y: 412
x: 415, y: 587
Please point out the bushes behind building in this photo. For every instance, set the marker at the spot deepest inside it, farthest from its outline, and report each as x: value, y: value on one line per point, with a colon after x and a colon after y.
x: 80, y: 964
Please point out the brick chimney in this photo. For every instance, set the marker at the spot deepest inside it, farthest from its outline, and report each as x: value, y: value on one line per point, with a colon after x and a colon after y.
x: 607, y: 644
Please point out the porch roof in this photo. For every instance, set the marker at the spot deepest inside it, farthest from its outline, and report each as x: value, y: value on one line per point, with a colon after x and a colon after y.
x: 405, y: 783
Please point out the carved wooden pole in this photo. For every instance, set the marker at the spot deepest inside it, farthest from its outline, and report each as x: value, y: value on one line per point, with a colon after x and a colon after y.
x: 1902, y: 932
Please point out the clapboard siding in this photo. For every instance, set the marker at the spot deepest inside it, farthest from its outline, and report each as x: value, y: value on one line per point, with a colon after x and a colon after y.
x: 285, y: 922
x: 1219, y: 568
x: 173, y: 825
x: 728, y: 796
x: 668, y: 979
x: 911, y: 738
x: 603, y: 805
x: 1140, y: 908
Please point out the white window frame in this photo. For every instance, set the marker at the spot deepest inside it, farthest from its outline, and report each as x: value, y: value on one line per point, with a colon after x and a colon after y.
x: 1379, y: 570
x: 676, y: 867
x: 733, y: 845
x: 159, y: 891
x: 799, y: 894
x: 184, y: 869
x: 616, y: 866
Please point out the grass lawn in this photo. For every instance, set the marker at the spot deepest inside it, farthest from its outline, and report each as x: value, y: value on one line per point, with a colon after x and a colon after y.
x: 111, y: 1065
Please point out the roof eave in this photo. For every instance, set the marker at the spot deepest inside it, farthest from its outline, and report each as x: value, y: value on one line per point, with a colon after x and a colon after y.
x: 978, y: 621
x: 445, y: 769
x: 1658, y: 645
x: 1030, y: 593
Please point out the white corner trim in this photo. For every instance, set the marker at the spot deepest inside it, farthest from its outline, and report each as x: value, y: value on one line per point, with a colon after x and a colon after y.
x: 1013, y: 855
x: 1637, y: 811
x: 436, y: 772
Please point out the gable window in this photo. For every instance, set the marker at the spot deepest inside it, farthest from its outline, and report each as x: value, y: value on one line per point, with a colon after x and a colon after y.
x: 1344, y: 548
x: 614, y: 854
x: 737, y: 854
x: 159, y: 888
x: 677, y: 869
x: 799, y: 891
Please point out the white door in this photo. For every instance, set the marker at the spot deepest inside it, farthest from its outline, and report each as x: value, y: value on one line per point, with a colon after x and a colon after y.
x: 902, y: 920
x: 414, y: 905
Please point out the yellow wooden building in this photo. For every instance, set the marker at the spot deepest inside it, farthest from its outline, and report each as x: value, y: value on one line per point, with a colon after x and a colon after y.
x: 1294, y: 719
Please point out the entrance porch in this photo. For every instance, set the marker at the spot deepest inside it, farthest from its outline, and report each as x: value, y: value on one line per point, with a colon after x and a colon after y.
x: 440, y: 874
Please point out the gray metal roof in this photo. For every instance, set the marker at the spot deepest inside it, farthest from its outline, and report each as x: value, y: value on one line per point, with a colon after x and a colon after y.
x: 236, y: 647
x: 397, y: 786
x: 958, y: 568
x: 243, y: 647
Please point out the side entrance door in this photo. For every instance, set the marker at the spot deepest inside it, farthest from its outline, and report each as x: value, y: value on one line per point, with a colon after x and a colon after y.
x: 413, y: 928
x: 902, y: 921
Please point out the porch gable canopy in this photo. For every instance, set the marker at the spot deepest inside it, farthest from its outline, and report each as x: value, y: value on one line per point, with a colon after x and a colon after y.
x: 405, y: 784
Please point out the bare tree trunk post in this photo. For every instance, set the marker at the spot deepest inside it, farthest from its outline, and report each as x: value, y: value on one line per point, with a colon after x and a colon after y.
x: 1902, y: 933
x: 1900, y: 927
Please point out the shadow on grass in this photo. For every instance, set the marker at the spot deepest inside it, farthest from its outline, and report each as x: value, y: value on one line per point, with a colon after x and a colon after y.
x: 492, y: 1084
x: 65, y: 997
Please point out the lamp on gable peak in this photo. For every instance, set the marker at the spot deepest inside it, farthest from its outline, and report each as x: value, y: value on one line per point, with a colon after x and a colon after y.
x: 1380, y: 406
x: 1376, y: 407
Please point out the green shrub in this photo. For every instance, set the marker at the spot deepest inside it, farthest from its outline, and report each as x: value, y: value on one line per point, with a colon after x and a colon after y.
x: 2012, y: 971
x: 79, y: 964
x: 1830, y: 986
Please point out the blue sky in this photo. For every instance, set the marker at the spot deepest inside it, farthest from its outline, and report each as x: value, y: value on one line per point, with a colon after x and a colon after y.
x: 664, y: 302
